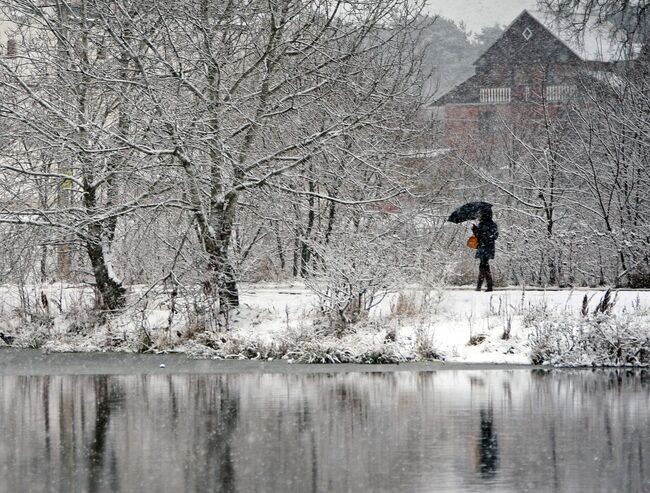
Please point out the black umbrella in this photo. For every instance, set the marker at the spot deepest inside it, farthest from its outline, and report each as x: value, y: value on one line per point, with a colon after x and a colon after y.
x: 469, y: 211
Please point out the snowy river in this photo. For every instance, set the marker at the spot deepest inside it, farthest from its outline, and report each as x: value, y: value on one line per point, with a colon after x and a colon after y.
x: 124, y: 423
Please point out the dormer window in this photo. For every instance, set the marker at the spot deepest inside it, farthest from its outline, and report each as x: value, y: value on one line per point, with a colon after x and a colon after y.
x: 527, y: 33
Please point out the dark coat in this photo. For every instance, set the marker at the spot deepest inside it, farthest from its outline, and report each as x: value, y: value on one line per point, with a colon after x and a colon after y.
x: 487, y: 232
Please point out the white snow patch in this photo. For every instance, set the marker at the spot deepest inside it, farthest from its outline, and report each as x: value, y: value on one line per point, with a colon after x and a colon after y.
x: 408, y: 325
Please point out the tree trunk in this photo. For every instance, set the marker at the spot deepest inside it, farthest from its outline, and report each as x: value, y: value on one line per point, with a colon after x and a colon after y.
x: 111, y: 292
x: 43, y: 264
x: 305, y: 254
x: 215, y: 234
x: 278, y: 240
x: 99, y: 241
x: 221, y: 279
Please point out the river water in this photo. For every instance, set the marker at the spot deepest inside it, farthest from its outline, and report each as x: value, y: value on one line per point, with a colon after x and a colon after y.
x: 73, y: 423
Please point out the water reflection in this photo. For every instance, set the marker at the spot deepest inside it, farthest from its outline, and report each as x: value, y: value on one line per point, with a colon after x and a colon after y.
x: 488, y: 445
x: 489, y: 430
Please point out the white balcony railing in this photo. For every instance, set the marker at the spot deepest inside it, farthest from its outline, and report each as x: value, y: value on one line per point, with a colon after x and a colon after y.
x: 560, y: 93
x: 495, y: 95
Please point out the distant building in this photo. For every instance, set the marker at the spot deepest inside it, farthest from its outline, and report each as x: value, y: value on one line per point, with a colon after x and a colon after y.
x: 533, y: 65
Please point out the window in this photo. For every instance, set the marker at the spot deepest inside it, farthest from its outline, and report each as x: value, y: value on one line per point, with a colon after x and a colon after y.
x: 495, y: 95
x: 527, y: 33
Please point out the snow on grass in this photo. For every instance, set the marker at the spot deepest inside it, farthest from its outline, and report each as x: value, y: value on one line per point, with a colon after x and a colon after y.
x: 283, y: 321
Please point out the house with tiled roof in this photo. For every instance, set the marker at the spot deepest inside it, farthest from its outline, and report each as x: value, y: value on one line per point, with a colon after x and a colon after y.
x: 533, y: 65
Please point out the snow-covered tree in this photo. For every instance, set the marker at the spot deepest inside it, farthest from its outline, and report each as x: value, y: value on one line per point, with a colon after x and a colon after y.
x: 219, y: 111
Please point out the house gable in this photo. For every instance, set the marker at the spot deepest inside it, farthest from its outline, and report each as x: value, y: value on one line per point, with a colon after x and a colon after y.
x: 518, y: 66
x: 526, y: 42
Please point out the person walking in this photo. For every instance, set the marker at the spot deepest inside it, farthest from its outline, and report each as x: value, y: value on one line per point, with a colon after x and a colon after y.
x: 486, y: 232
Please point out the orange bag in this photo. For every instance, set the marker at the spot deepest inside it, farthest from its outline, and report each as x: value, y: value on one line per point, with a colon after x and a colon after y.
x: 472, y: 242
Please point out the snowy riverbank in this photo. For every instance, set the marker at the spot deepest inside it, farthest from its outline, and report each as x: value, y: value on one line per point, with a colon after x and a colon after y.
x: 512, y: 326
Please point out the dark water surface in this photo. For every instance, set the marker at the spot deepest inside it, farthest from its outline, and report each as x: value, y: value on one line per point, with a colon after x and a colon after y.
x: 135, y: 427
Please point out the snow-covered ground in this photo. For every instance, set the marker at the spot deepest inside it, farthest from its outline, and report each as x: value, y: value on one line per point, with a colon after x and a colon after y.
x: 283, y: 321
x: 462, y: 325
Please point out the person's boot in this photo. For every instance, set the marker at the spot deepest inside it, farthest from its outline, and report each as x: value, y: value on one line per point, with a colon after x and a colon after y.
x: 480, y: 280
x: 488, y: 278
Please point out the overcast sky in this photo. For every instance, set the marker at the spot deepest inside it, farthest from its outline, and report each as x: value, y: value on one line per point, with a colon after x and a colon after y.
x: 479, y: 13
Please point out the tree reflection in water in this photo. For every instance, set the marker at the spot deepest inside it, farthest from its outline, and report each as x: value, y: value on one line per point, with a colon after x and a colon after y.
x: 97, y: 445
x: 398, y: 431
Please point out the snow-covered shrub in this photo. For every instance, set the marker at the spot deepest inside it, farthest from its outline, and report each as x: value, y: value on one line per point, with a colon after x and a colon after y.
x: 477, y: 339
x: 354, y: 275
x: 595, y: 340
x: 407, y: 304
x: 80, y: 316
x: 640, y: 276
x: 29, y: 323
x: 424, y: 347
x: 311, y: 345
x: 305, y: 348
x: 415, y: 303
x: 33, y: 336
